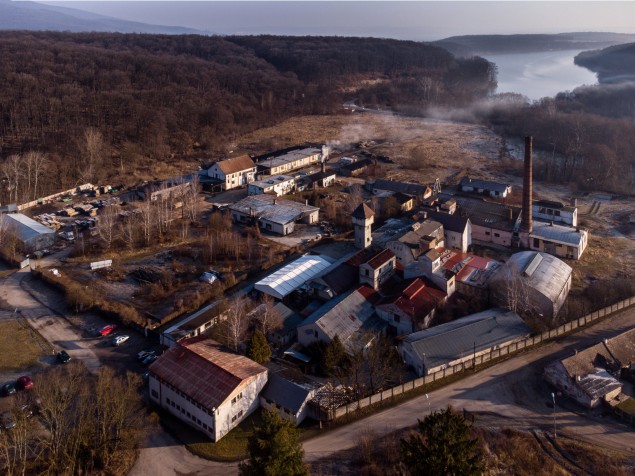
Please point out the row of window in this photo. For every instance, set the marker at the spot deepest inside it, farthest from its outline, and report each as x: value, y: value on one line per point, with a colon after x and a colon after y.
x: 237, y: 398
x: 185, y: 397
x: 237, y: 416
x: 184, y: 412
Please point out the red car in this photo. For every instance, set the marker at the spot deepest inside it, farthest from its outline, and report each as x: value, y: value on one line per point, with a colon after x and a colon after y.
x: 107, y: 330
x: 24, y: 383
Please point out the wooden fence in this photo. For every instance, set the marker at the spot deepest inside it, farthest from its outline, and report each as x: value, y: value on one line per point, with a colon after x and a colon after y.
x: 480, y: 359
x: 55, y: 196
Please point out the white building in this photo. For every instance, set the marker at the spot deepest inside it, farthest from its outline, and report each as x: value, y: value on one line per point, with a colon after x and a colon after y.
x: 485, y: 187
x: 290, y: 277
x: 293, y: 160
x: 556, y: 212
x: 234, y: 172
x: 277, y: 185
x: 558, y: 240
x: 206, y: 386
x: 457, y: 230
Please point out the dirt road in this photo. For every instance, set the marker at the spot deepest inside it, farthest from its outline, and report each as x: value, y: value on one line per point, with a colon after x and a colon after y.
x: 512, y: 390
x: 54, y: 328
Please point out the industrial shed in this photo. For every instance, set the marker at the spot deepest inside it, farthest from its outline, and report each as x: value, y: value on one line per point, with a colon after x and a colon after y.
x: 31, y: 235
x: 289, y: 278
x: 539, y: 282
x: 444, y: 346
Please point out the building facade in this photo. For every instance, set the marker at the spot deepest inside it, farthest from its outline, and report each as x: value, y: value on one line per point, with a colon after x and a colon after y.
x: 233, y: 173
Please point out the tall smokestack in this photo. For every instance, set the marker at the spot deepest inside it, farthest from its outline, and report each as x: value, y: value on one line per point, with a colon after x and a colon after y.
x: 526, y: 224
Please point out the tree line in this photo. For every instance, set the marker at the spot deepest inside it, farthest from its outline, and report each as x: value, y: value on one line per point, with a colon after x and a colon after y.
x: 100, y: 106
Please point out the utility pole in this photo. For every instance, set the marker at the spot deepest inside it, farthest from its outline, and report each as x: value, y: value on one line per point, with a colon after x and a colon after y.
x: 553, y: 397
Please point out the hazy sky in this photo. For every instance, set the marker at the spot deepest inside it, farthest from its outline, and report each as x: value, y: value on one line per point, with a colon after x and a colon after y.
x: 417, y: 20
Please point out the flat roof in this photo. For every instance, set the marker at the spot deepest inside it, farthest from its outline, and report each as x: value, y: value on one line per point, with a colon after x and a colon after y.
x: 289, y: 278
x: 273, y: 209
x: 289, y: 157
x: 271, y: 181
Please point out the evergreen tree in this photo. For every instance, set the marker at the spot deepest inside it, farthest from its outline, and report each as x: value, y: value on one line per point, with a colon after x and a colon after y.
x: 274, y: 449
x: 334, y: 357
x: 259, y: 349
x: 443, y: 446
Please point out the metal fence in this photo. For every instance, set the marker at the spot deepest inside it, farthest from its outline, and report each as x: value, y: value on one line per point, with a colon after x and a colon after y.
x: 480, y: 359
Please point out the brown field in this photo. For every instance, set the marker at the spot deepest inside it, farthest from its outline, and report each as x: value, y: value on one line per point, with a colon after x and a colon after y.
x: 19, y: 346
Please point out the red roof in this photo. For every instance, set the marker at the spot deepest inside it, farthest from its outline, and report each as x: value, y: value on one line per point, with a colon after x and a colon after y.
x: 463, y: 264
x: 417, y: 299
x: 204, y: 371
x: 380, y: 259
x: 236, y: 164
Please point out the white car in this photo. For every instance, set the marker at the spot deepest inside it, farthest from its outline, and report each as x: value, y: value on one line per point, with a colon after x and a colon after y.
x: 120, y: 340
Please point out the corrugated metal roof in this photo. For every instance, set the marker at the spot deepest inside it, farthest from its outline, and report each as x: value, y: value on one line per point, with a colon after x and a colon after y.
x: 25, y: 227
x: 204, y: 371
x: 290, y: 395
x: 403, y: 187
x: 484, y: 184
x: 292, y: 276
x: 273, y: 209
x: 556, y: 233
x: 439, y: 345
x: 344, y: 315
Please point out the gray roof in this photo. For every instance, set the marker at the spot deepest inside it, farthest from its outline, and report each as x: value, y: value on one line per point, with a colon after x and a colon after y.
x: 344, y: 315
x: 455, y: 223
x: 599, y: 383
x: 285, y: 280
x: 489, y: 214
x: 547, y: 275
x: 289, y: 157
x: 556, y: 233
x: 272, y: 180
x: 25, y: 227
x: 273, y: 209
x: 447, y: 342
x: 289, y: 395
x: 403, y: 187
x: 483, y: 184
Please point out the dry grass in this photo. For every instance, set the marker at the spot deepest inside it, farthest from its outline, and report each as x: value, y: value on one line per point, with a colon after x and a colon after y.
x: 19, y: 344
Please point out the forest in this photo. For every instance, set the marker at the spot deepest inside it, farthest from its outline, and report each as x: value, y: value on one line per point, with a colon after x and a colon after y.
x: 613, y: 65
x: 99, y: 106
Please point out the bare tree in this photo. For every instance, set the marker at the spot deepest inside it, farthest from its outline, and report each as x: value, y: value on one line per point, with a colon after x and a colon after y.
x: 13, y: 172
x: 93, y: 149
x: 269, y: 318
x: 237, y: 322
x: 107, y: 225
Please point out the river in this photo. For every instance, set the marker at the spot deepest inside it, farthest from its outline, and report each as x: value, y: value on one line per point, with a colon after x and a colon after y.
x: 537, y: 75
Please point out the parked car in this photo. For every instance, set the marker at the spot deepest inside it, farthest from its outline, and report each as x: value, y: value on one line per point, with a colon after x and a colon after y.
x: 120, y: 340
x: 7, y: 389
x: 149, y: 359
x: 143, y: 354
x: 107, y: 330
x: 24, y: 383
x: 63, y: 357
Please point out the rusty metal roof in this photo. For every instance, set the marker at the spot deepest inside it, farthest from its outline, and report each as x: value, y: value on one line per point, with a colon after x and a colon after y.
x: 204, y: 371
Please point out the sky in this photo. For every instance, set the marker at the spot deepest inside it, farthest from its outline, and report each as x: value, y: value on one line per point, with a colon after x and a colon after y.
x: 415, y: 20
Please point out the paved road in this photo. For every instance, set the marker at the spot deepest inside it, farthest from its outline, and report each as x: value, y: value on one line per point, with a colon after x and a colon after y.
x: 512, y: 389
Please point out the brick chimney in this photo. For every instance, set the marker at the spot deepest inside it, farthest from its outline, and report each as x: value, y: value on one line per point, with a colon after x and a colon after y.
x: 526, y: 224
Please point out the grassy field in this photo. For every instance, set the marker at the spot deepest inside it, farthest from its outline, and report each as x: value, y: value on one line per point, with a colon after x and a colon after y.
x: 19, y: 344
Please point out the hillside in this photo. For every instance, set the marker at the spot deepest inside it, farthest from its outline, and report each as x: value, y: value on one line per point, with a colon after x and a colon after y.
x: 615, y: 64
x: 33, y: 16
x: 500, y: 44
x: 155, y: 100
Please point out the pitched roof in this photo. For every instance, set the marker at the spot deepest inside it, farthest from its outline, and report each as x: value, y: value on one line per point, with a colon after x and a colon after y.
x: 469, y: 269
x: 25, y: 227
x: 418, y: 299
x: 380, y: 259
x: 344, y: 315
x: 360, y: 164
x: 403, y: 187
x: 489, y: 214
x: 557, y: 233
x: 447, y: 342
x: 286, y: 393
x: 204, y: 371
x: 363, y: 212
x: 455, y: 223
x: 236, y: 164
x: 271, y: 208
x: 483, y: 184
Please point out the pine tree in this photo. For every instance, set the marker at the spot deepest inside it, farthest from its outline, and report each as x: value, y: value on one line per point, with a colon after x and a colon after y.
x: 274, y: 449
x: 443, y: 445
x: 259, y: 349
x: 334, y: 357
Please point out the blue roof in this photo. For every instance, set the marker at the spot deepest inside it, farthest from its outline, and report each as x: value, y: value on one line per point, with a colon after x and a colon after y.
x: 289, y: 395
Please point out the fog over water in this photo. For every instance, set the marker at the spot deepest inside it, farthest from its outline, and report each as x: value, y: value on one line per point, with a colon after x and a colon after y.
x: 537, y: 75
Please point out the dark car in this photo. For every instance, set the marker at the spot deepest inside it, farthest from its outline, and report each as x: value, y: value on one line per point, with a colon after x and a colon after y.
x: 63, y: 357
x: 7, y: 389
x: 149, y: 359
x: 24, y: 383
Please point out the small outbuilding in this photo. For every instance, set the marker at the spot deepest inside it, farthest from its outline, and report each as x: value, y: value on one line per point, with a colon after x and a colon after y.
x: 287, y: 398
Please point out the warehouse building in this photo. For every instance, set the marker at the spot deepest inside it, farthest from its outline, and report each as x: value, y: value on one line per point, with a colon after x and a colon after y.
x: 30, y: 235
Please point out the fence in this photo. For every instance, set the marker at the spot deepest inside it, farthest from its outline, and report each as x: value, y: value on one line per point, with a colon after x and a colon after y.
x: 480, y: 359
x: 55, y: 196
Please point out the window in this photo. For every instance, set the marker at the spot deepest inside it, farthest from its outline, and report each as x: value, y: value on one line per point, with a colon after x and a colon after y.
x: 188, y: 415
x: 155, y: 394
x: 234, y: 401
x: 396, y: 318
x: 234, y: 418
x: 487, y: 233
x: 497, y: 235
x: 536, y: 242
